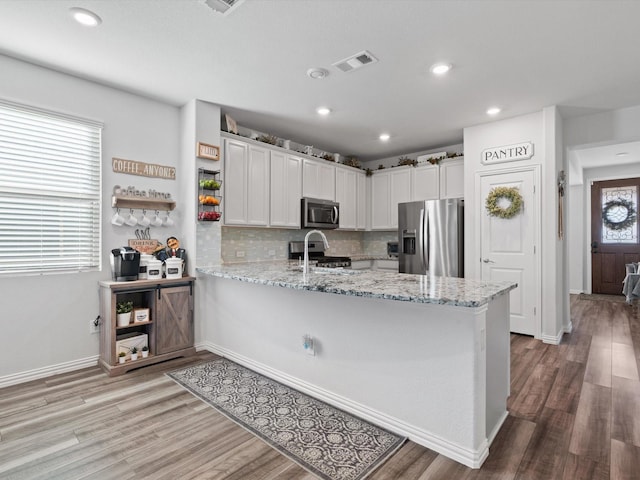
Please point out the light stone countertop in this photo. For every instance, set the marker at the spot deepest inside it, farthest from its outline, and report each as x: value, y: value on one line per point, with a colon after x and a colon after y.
x: 452, y: 291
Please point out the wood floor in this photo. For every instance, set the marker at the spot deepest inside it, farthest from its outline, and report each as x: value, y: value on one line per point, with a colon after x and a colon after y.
x: 574, y: 414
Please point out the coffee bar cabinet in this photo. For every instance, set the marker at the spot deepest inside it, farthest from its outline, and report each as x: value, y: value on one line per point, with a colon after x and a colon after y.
x: 162, y: 320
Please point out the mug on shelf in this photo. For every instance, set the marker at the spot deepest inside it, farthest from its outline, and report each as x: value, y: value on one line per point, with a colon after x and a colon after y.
x: 131, y: 220
x: 117, y: 219
x: 156, y: 220
x: 168, y: 221
x: 144, y: 221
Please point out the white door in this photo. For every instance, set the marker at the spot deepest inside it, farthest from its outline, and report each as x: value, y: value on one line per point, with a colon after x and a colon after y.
x: 509, y: 250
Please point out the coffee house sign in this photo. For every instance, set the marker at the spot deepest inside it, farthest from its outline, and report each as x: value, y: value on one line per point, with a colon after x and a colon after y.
x: 507, y: 153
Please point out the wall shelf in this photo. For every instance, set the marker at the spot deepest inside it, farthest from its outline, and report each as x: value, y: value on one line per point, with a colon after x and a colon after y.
x: 142, y: 203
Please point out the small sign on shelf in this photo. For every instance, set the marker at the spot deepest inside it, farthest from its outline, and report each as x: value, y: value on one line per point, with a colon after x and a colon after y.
x: 210, y: 152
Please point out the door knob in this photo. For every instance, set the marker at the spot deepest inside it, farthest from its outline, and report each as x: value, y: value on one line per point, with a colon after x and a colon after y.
x: 486, y: 260
x: 594, y: 247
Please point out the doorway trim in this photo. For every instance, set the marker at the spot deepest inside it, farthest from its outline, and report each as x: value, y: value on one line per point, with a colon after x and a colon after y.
x: 538, y: 240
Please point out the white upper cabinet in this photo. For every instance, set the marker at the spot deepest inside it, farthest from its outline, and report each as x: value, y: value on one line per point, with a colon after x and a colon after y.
x: 452, y: 178
x: 426, y: 182
x: 361, y: 201
x: 286, y: 190
x: 388, y: 188
x: 347, y: 196
x: 246, y: 184
x: 318, y: 179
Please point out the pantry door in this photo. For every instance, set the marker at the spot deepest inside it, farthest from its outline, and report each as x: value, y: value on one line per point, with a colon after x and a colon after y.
x: 614, y: 233
x: 509, y: 246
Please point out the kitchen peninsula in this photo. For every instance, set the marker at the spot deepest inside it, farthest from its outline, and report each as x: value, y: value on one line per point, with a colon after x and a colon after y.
x: 424, y: 357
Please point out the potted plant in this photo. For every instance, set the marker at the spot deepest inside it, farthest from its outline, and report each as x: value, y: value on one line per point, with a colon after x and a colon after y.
x: 121, y: 357
x: 123, y: 311
x: 134, y: 353
x: 145, y: 351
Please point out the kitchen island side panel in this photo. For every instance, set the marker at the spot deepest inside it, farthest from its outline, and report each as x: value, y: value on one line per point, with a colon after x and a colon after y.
x: 418, y: 369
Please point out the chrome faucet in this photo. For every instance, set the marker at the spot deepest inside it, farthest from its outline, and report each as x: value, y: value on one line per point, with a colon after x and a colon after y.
x: 305, y: 267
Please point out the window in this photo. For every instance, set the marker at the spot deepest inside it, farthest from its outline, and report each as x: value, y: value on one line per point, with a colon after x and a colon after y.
x: 620, y: 214
x: 49, y: 192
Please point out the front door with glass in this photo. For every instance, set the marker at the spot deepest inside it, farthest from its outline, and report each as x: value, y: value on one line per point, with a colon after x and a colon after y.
x: 614, y: 233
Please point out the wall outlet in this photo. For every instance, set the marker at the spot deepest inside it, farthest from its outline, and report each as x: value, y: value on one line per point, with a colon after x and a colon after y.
x: 240, y: 253
x: 94, y: 326
x: 307, y: 344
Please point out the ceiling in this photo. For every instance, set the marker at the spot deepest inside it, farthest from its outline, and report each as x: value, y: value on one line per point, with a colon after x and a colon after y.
x: 519, y: 55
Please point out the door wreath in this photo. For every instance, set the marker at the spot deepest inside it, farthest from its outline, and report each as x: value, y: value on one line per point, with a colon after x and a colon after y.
x: 509, y: 193
x: 618, y: 214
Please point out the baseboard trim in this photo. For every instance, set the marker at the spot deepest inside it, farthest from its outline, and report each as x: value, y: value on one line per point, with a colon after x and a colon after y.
x: 575, y: 292
x: 38, y: 373
x: 569, y: 327
x: 551, y: 340
x: 465, y: 456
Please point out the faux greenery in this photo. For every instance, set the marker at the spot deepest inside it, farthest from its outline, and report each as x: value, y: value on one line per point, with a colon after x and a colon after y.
x: 352, y: 162
x: 134, y: 350
x: 618, y: 204
x: 122, y: 354
x: 509, y: 193
x: 145, y: 349
x: 407, y: 161
x: 124, y: 307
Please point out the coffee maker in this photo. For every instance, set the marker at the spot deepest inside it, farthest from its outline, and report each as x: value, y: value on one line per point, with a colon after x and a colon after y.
x: 125, y: 264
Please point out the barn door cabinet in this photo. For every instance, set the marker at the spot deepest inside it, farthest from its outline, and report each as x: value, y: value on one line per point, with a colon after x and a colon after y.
x: 168, y: 327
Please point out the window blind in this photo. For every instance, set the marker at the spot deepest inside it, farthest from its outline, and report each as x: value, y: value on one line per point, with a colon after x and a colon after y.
x: 49, y: 191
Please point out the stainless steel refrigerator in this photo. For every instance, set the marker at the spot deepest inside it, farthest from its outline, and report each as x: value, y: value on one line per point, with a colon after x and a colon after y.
x: 431, y: 237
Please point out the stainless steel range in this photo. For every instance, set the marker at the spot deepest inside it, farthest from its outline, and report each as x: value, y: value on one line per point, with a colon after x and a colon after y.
x: 316, y: 255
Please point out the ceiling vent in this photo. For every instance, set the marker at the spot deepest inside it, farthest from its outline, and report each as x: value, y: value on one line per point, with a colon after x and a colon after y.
x: 222, y: 6
x: 356, y: 61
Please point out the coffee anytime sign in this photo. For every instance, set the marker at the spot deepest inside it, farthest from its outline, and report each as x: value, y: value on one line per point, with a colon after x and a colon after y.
x: 132, y: 167
x: 508, y: 153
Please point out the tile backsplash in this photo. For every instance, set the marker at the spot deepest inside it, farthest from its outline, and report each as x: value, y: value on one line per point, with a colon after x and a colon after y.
x: 240, y: 244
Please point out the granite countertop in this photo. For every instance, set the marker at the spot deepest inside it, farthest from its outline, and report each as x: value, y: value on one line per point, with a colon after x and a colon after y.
x: 363, y: 283
x: 363, y: 256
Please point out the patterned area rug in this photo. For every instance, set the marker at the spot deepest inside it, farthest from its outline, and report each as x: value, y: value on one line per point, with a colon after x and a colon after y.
x: 327, y: 442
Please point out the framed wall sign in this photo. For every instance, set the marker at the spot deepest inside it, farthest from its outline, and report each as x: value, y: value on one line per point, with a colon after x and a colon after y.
x: 210, y: 152
x: 507, y: 153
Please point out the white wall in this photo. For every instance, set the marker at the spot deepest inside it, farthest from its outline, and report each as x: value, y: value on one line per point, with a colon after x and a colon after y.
x: 45, y: 319
x: 543, y: 129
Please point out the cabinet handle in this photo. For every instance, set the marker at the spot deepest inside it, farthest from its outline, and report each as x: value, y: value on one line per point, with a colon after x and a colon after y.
x: 159, y: 293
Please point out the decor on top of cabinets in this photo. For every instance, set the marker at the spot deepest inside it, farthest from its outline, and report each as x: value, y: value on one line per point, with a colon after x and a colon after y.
x: 403, y: 161
x: 209, y: 195
x: 513, y: 198
x: 229, y: 124
x: 210, y: 152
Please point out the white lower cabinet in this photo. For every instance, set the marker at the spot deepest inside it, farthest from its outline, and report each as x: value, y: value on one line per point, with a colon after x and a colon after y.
x: 286, y: 190
x: 361, y: 202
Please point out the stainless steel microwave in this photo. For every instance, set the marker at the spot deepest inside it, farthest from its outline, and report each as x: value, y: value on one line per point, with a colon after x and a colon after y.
x: 317, y: 213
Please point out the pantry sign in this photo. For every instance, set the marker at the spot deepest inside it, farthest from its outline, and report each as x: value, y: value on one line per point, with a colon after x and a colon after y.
x: 133, y: 167
x: 508, y: 153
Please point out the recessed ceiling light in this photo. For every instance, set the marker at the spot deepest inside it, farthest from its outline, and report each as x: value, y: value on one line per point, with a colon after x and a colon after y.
x: 440, y: 68
x: 317, y: 73
x: 493, y: 111
x: 622, y: 154
x: 384, y: 137
x: 323, y: 110
x: 85, y: 17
